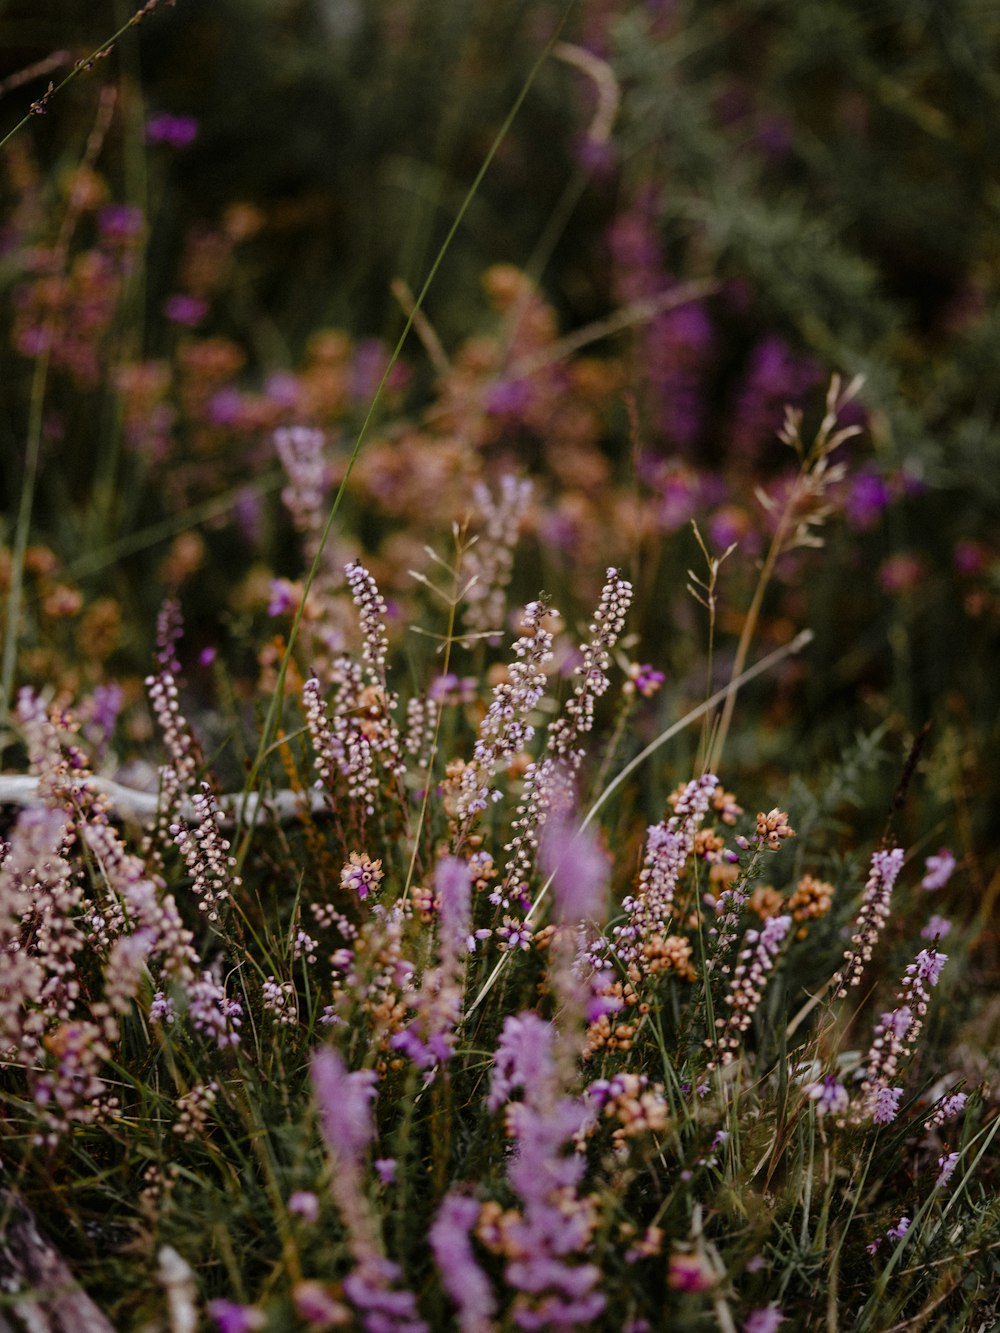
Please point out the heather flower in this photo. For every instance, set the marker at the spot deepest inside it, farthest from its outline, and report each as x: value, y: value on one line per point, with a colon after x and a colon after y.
x: 830, y: 1096
x: 896, y: 1034
x: 361, y: 876
x: 946, y: 1169
x: 300, y: 450
x: 505, y: 730
x: 183, y: 309
x: 304, y: 1204
x: 555, y: 1223
x: 206, y: 854
x: 749, y: 978
x: 175, y: 131
x: 212, y: 1013
x: 938, y: 870
x: 689, y: 1272
x: 546, y: 783
x: 885, y: 867
x: 949, y: 1108
x: 884, y: 1105
x: 488, y: 562
x: 867, y: 498
x: 385, y: 1308
x: 668, y: 846
x: 578, y: 868
x: 429, y: 1039
x: 232, y: 1318
x: 314, y: 1303
x: 899, y: 1230
x: 765, y: 1320
x: 344, y: 1101
x: 642, y: 678
x: 462, y: 1278
x: 937, y: 928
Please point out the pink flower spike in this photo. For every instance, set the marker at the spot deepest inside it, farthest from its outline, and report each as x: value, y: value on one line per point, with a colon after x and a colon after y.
x: 578, y: 868
x: 344, y: 1102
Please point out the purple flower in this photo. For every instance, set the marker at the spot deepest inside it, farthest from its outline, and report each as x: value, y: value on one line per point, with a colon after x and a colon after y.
x: 689, y: 1272
x: 508, y: 398
x: 884, y: 1105
x: 314, y: 1303
x: 899, y: 1230
x: 232, y: 1318
x: 462, y: 1278
x: 946, y: 1169
x: 831, y: 1097
x: 579, y: 870
x: 344, y: 1101
x: 120, y: 222
x: 304, y: 1204
x: 386, y: 1168
x: 867, y: 498
x: 936, y: 929
x: 183, y: 309
x: 523, y: 1057
x: 938, y: 870
x: 765, y: 1320
x: 927, y: 967
x: 175, y: 131
x: 284, y: 597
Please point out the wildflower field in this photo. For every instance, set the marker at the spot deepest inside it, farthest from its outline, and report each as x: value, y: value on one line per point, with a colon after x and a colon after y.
x: 498, y: 687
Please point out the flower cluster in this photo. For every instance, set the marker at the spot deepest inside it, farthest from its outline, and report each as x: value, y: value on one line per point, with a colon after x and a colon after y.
x: 487, y: 564
x: 505, y: 730
x: 749, y: 978
x: 885, y: 868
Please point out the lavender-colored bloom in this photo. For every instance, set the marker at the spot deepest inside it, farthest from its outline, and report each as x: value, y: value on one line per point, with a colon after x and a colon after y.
x: 946, y: 1169
x: 885, y: 1105
x: 927, y: 967
x: 939, y: 870
x: 184, y: 309
x: 314, y: 1303
x: 867, y: 498
x: 885, y: 868
x: 689, y: 1272
x: 383, y: 1309
x: 120, y: 222
x: 175, y: 131
x: 947, y: 1109
x: 765, y: 1320
x: 555, y: 1223
x: 899, y: 1230
x: 523, y: 1057
x: 344, y: 1101
x: 774, y: 378
x: 386, y: 1169
x: 304, y: 1204
x: 579, y: 870
x: 232, y: 1318
x: 212, y: 1013
x: 830, y: 1096
x: 937, y: 928
x: 430, y: 1038
x: 461, y: 1276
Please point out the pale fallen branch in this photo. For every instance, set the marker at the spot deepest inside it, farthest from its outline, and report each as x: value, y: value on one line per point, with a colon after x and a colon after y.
x: 140, y: 807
